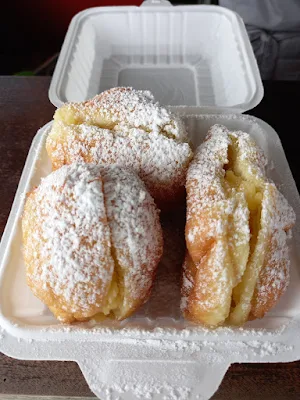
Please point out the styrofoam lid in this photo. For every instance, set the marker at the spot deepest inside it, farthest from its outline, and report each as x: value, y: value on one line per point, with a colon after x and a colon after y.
x: 195, y: 56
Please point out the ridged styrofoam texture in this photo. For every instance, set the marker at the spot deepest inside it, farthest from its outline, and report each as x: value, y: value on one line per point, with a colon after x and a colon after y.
x: 156, y: 351
x: 186, y: 55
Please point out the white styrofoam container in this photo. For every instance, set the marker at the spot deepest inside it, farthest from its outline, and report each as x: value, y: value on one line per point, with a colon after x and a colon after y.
x: 186, y: 55
x: 178, y: 360
x: 198, y: 60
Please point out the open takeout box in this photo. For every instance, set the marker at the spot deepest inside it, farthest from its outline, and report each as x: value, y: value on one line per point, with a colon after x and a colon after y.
x: 197, y: 60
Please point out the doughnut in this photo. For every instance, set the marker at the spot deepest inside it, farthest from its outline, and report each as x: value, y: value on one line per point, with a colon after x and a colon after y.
x: 92, y: 242
x: 126, y: 127
x: 237, y: 262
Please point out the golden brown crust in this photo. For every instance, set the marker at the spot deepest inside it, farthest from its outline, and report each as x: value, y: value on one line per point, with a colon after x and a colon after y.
x: 126, y: 127
x: 274, y: 275
x: 35, y: 257
x: 92, y: 241
x: 136, y: 237
x: 237, y: 262
x: 124, y: 107
x: 160, y: 162
x: 207, y: 283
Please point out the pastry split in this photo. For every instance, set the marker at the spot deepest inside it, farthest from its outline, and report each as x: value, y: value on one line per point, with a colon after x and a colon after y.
x: 237, y: 263
x: 92, y: 241
x: 126, y: 127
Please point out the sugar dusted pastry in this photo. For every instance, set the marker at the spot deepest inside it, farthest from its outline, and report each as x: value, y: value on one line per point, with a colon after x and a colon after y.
x: 237, y: 263
x: 126, y: 127
x: 123, y: 107
x: 92, y: 241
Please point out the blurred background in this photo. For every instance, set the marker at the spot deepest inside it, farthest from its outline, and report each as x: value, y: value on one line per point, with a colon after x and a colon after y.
x: 33, y: 31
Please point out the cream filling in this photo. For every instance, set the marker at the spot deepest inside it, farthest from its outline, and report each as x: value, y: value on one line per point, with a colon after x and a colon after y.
x: 240, y: 182
x: 113, y: 306
x: 72, y: 117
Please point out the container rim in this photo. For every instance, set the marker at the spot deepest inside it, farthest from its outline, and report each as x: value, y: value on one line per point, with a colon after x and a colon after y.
x: 55, y: 89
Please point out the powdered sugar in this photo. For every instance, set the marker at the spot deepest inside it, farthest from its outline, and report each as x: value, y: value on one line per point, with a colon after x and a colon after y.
x: 219, y: 219
x: 218, y: 216
x: 206, y: 172
x: 274, y: 278
x: 172, y: 380
x: 135, y: 232
x: 126, y: 106
x: 161, y: 162
x: 84, y: 341
x: 126, y: 379
x: 71, y: 244
x: 78, y: 219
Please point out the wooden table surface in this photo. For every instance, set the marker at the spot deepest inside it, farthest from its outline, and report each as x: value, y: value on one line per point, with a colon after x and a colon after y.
x: 24, y: 107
